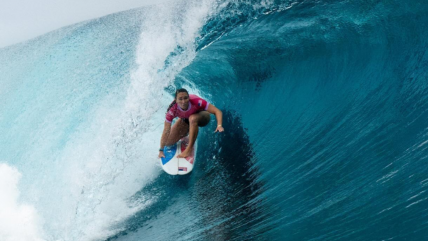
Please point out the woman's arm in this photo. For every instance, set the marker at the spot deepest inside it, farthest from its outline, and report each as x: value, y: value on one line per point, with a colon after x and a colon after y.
x: 164, y: 138
x: 218, y: 115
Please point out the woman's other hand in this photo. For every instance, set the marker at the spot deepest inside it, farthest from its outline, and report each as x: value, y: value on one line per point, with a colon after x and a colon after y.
x: 219, y: 129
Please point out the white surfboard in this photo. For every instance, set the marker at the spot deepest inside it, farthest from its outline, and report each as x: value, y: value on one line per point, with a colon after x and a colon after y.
x: 178, y: 166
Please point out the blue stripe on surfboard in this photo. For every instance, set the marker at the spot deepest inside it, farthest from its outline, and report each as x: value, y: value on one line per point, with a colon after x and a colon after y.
x: 169, y: 152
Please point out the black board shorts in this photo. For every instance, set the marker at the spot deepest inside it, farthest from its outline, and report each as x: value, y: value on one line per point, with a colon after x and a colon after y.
x: 185, y: 120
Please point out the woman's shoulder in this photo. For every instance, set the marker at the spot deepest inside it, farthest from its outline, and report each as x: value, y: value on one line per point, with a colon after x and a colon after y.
x: 195, y: 98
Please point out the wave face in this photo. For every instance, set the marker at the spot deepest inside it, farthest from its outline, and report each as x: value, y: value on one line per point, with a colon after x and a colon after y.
x: 325, y: 110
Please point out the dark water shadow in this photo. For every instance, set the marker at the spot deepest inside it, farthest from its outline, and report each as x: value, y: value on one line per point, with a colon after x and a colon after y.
x: 227, y: 193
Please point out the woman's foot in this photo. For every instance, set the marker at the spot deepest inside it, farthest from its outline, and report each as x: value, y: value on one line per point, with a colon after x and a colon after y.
x: 185, y: 153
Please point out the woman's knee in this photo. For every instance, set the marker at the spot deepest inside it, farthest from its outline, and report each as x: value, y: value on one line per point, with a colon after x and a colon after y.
x: 201, y: 118
x: 194, y: 119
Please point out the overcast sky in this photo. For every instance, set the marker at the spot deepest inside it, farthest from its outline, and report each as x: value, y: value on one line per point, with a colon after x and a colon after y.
x: 21, y: 20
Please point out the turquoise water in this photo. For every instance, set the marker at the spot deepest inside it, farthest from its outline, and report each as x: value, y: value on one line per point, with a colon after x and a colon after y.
x: 325, y: 112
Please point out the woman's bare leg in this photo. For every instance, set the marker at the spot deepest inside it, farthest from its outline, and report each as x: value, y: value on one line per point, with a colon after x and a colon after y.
x: 199, y: 119
x: 178, y: 131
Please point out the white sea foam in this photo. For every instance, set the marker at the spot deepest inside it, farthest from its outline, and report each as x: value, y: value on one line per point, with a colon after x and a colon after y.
x: 166, y: 29
x: 18, y: 221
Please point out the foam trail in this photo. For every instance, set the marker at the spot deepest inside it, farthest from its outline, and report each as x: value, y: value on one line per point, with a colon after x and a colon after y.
x: 18, y: 222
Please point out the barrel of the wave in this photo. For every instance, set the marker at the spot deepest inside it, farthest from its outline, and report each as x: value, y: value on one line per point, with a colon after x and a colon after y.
x: 178, y: 166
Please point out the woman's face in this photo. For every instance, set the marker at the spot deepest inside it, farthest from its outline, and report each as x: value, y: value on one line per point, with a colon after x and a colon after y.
x: 183, y: 100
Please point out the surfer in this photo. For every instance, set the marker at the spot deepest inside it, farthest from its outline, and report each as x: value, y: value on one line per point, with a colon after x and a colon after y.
x: 193, y: 112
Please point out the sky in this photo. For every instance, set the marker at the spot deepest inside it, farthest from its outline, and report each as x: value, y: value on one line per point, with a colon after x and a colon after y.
x: 21, y: 20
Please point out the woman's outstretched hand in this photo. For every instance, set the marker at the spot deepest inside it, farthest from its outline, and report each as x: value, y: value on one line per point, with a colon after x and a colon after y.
x: 219, y: 129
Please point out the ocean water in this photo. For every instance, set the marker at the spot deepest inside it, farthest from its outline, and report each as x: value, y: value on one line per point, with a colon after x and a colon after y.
x: 325, y: 109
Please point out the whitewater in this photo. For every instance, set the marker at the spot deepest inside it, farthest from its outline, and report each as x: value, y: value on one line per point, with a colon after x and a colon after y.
x: 325, y: 116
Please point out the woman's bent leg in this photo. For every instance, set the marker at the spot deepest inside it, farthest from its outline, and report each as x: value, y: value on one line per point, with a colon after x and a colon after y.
x: 199, y: 119
x: 178, y: 131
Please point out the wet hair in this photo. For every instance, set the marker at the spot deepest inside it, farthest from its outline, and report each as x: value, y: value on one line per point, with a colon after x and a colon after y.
x: 180, y: 91
x: 175, y: 97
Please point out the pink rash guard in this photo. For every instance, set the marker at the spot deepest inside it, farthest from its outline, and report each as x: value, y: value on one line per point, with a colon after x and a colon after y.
x: 196, y: 104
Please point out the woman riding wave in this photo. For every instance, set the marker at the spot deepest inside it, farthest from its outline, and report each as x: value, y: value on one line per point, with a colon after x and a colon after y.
x: 193, y: 112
